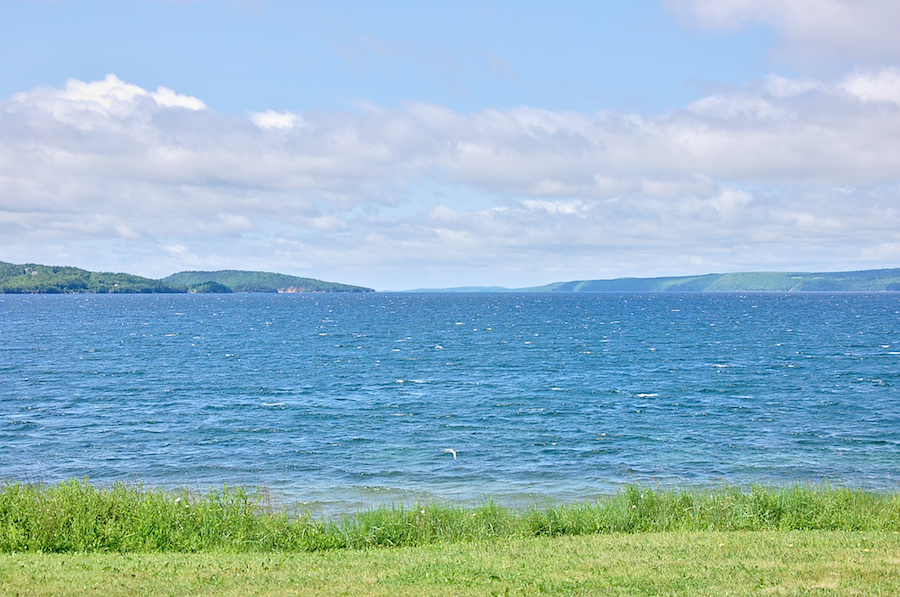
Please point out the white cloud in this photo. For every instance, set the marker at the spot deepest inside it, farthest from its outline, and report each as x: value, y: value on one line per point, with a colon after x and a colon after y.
x: 89, y: 136
x: 176, y: 249
x: 880, y: 86
x: 270, y: 119
x: 87, y: 105
x: 785, y: 170
x: 99, y: 95
x: 844, y: 29
x: 166, y: 97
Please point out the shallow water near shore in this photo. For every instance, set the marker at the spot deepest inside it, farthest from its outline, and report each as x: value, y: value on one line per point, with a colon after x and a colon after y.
x: 342, y: 401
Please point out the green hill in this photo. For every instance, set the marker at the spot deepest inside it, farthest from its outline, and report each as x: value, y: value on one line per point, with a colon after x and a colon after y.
x: 858, y: 281
x: 243, y: 281
x: 33, y: 278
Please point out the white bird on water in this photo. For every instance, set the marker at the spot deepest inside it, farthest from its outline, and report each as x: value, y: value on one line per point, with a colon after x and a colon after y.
x: 450, y: 451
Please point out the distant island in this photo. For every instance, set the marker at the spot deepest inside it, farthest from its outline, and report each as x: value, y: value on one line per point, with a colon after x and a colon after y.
x: 32, y: 278
x: 859, y: 281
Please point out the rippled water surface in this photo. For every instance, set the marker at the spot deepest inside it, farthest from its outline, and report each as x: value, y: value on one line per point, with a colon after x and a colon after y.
x: 343, y: 401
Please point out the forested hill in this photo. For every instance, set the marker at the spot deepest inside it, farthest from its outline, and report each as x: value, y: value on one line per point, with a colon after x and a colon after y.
x: 857, y: 281
x: 33, y: 278
x: 243, y: 281
x: 869, y: 280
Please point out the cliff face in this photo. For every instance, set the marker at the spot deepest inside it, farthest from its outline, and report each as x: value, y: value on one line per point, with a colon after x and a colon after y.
x: 296, y: 289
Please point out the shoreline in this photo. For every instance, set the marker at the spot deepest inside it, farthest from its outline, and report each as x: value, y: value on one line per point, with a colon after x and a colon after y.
x: 76, y: 516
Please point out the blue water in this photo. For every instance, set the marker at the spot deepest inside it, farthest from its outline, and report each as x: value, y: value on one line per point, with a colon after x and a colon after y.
x: 341, y: 401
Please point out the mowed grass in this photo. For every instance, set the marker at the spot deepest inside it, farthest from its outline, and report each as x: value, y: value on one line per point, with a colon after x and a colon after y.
x: 670, y: 563
x: 75, y: 538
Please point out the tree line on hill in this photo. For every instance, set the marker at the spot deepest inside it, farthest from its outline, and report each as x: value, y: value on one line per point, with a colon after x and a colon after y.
x: 32, y: 278
x: 44, y: 279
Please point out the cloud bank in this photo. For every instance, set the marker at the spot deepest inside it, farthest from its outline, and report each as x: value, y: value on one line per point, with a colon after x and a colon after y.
x: 843, y: 29
x: 787, y: 172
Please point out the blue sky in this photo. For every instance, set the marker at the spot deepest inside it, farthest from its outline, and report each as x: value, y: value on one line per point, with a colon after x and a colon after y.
x: 325, y: 55
x: 402, y: 144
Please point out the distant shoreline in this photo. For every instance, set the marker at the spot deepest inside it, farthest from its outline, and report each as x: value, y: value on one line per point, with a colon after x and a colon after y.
x: 33, y: 278
x: 879, y: 280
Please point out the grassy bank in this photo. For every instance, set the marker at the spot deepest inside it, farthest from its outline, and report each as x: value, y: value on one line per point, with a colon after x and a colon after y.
x: 673, y: 563
x: 80, y: 517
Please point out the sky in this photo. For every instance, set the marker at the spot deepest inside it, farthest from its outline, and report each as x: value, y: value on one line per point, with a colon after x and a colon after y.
x: 401, y: 144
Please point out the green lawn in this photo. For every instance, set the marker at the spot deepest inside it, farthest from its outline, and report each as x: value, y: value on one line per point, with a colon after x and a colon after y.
x: 675, y: 563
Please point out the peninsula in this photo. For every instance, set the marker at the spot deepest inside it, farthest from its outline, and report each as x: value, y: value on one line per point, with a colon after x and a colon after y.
x: 856, y: 281
x: 32, y: 278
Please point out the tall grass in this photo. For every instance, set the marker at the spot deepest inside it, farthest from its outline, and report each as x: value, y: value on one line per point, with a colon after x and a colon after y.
x: 76, y: 516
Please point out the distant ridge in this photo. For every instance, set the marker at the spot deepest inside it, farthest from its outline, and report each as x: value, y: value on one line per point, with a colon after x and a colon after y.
x: 856, y: 281
x: 460, y: 289
x: 247, y: 281
x: 33, y: 278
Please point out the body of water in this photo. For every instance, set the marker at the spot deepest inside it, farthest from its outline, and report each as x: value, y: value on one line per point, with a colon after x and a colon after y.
x: 343, y: 401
